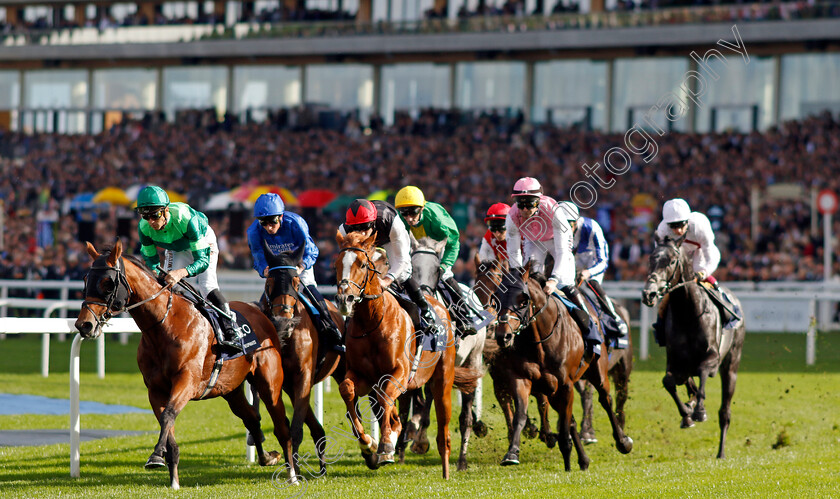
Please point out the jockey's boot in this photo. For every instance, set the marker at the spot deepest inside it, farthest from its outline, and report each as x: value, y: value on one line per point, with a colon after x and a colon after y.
x: 729, y: 315
x: 465, y: 318
x: 609, y: 307
x: 229, y: 336
x: 427, y: 318
x: 327, y: 329
x: 591, y: 340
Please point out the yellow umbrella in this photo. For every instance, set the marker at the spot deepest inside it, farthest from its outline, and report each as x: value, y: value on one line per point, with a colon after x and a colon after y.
x: 381, y: 195
x: 175, y: 197
x: 250, y: 193
x: 113, y: 195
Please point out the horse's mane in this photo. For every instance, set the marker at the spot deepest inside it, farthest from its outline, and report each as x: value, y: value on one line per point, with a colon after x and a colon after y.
x: 539, y: 277
x: 357, y: 239
x: 141, y: 264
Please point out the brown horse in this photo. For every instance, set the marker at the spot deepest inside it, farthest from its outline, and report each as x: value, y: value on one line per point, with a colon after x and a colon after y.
x: 380, y: 356
x: 542, y: 348
x: 305, y: 361
x: 178, y: 351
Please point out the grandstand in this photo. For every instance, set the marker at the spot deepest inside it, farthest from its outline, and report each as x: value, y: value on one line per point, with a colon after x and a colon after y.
x: 457, y: 97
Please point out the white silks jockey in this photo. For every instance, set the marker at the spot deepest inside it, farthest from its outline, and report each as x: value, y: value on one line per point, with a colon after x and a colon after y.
x: 538, y: 222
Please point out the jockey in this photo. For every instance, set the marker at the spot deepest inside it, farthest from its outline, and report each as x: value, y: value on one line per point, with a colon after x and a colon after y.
x: 285, y: 232
x: 190, y: 250
x: 592, y: 256
x: 377, y: 217
x: 538, y: 226
x: 428, y: 219
x: 493, y: 246
x: 679, y: 221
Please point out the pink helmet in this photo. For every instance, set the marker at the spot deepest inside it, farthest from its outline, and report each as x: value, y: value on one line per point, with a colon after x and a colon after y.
x: 527, y: 186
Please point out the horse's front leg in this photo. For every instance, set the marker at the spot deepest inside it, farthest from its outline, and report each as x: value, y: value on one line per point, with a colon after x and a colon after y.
x: 669, y: 381
x: 300, y: 403
x: 388, y: 391
x: 402, y: 441
x: 166, y: 451
x: 521, y: 389
x: 699, y: 413
x: 348, y: 389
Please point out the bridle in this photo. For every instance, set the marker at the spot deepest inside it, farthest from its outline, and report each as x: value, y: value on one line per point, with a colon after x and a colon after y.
x: 369, y: 268
x: 668, y: 288
x: 116, y: 301
x: 282, y: 306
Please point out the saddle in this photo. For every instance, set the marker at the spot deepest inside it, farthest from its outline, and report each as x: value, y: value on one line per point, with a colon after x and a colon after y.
x: 608, y: 323
x: 431, y: 342
x: 247, y: 338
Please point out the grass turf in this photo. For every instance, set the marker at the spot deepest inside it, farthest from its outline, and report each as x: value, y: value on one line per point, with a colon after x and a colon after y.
x: 782, y: 442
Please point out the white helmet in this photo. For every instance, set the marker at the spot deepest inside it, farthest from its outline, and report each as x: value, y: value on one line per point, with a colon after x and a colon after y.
x: 570, y: 210
x: 675, y: 210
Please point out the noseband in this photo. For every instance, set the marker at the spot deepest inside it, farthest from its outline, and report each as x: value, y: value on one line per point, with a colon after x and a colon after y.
x: 368, y: 267
x: 662, y: 291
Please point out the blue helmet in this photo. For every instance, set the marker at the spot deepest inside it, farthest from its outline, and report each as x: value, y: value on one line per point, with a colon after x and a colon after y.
x: 268, y: 205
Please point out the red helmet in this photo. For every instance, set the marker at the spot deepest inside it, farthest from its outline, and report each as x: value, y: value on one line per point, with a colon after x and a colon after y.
x: 361, y: 211
x: 497, y: 211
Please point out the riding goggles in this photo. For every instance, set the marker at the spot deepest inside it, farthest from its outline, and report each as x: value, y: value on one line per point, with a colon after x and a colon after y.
x: 678, y: 225
x: 274, y: 219
x: 151, y: 213
x: 496, y: 227
x: 358, y: 227
x: 526, y: 204
x: 411, y: 211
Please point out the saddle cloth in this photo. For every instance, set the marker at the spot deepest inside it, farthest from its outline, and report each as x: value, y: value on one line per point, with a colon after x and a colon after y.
x: 431, y: 342
x: 247, y: 337
x: 609, y: 325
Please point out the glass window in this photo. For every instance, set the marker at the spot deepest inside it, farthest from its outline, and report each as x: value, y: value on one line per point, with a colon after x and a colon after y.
x: 640, y: 84
x: 740, y: 99
x: 194, y: 88
x: 810, y: 84
x: 56, y: 89
x: 124, y: 88
x: 571, y: 92
x: 490, y: 85
x: 258, y: 88
x: 9, y: 89
x: 341, y: 86
x: 411, y: 87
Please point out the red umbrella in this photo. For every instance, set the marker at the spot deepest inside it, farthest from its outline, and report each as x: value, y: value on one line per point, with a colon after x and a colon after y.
x: 315, y: 198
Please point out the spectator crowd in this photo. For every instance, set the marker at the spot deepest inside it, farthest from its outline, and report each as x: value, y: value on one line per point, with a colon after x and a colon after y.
x: 455, y: 161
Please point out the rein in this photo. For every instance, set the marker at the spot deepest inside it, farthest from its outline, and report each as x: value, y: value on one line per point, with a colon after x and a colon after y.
x: 367, y: 266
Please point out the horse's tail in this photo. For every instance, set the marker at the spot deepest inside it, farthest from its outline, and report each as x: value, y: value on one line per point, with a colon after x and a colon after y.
x: 466, y: 379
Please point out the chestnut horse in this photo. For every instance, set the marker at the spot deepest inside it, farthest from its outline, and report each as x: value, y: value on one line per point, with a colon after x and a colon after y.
x: 178, y: 350
x: 541, y: 348
x: 305, y: 362
x: 696, y: 345
x: 381, y: 345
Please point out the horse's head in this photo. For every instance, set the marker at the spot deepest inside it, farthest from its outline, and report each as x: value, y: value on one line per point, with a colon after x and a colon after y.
x: 356, y: 270
x: 664, y: 268
x: 488, y: 277
x: 425, y: 261
x: 514, y: 303
x: 281, y: 285
x: 106, y: 291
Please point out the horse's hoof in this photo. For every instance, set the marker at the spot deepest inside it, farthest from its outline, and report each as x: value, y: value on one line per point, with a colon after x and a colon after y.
x: 510, y: 460
x: 551, y: 440
x: 270, y: 458
x: 155, y: 462
x: 530, y: 431
x: 687, y: 422
x: 480, y: 429
x: 588, y: 438
x: 699, y: 415
x: 462, y: 465
x: 410, y: 431
x: 385, y: 448
x: 420, y: 447
x: 625, y: 445
x: 387, y: 458
x: 371, y: 461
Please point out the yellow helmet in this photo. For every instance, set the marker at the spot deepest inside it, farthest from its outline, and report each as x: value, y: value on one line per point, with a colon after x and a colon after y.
x: 409, y: 196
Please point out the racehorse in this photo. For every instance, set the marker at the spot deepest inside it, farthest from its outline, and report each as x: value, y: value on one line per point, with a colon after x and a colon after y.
x: 425, y: 264
x: 380, y: 355
x: 488, y: 276
x: 305, y: 362
x: 178, y: 350
x: 541, y: 346
x: 696, y: 344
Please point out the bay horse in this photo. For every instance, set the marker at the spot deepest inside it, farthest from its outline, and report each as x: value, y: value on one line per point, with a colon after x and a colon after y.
x: 696, y: 345
x: 305, y: 360
x: 541, y: 348
x: 381, y: 342
x: 488, y: 276
x: 178, y: 350
x: 425, y: 264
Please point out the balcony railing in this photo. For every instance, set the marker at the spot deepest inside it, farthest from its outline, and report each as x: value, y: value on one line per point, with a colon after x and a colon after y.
x: 485, y: 24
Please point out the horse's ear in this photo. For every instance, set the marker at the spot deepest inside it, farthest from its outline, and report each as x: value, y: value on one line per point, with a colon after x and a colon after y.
x: 413, y: 242
x: 439, y: 246
x: 116, y: 253
x: 657, y: 241
x: 297, y: 256
x: 476, y: 261
x: 91, y: 250
x: 526, y: 271
x: 339, y: 238
x: 370, y: 240
x: 270, y: 258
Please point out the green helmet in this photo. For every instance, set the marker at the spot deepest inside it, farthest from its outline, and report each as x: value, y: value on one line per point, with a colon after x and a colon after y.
x: 152, y: 197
